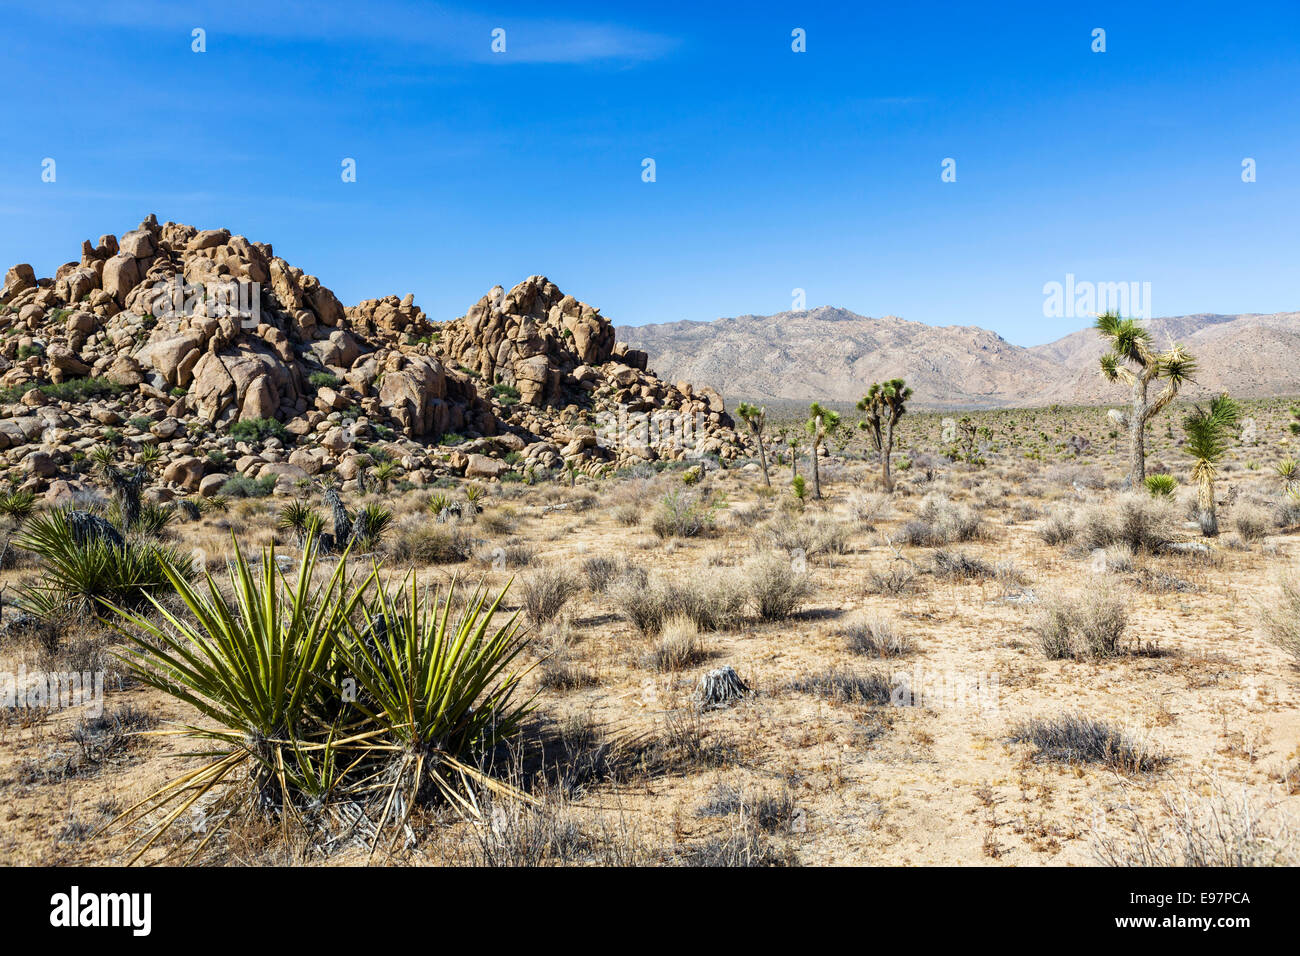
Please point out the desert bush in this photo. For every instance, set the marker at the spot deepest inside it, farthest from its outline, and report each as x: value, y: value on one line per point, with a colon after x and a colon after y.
x: 627, y: 514
x: 1282, y: 620
x: 810, y: 537
x: 416, y: 540
x: 241, y: 486
x: 940, y: 521
x: 545, y: 591
x: 499, y: 522
x: 713, y: 603
x: 1214, y: 829
x: 1138, y: 520
x: 841, y: 685
x: 682, y: 514
x: 679, y: 646
x: 776, y: 589
x: 959, y: 565
x: 1075, y: 739
x: 877, y: 636
x: 1091, y: 624
x: 1057, y: 527
x: 1252, y: 522
x: 870, y: 508
x: 895, y: 578
x: 601, y: 572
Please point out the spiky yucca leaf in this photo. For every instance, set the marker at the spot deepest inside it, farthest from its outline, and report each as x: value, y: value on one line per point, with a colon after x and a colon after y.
x: 253, y: 666
x: 439, y: 684
x: 86, y: 576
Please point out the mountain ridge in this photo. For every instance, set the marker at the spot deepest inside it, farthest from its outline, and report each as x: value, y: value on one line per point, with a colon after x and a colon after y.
x: 792, y: 356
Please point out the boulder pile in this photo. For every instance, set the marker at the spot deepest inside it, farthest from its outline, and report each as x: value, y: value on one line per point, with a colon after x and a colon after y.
x: 230, y: 361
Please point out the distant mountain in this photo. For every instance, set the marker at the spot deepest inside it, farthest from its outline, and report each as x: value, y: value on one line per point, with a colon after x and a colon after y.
x: 832, y: 354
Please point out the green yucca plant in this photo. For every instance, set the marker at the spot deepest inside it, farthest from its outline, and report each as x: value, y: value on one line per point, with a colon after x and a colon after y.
x: 1288, y: 469
x: 385, y: 472
x: 439, y: 502
x: 474, y: 494
x: 1208, y: 431
x: 86, y: 575
x: 17, y: 504
x: 325, y: 693
x: 149, y: 455
x: 301, y: 519
x: 370, y: 525
x: 253, y: 665
x: 1161, y: 485
x: 440, y: 688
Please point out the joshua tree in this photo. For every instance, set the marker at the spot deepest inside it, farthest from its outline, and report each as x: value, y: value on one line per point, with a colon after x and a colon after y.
x: 756, y: 419
x: 885, y: 403
x: 127, y: 490
x: 821, y: 422
x: 1132, y: 361
x: 1208, y: 431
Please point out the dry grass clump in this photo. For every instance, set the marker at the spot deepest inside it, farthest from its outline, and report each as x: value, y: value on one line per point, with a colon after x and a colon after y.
x: 1057, y: 527
x: 1252, y: 522
x: 679, y: 646
x: 809, y: 537
x: 546, y: 590
x: 1282, y: 620
x: 712, y: 603
x: 417, y: 540
x: 877, y: 636
x: 1074, y: 739
x: 959, y: 565
x: 682, y: 514
x: 1090, y: 624
x: 776, y: 589
x: 501, y: 521
x: 870, y: 508
x: 1137, y: 519
x: 940, y: 521
x: 602, y: 572
x: 627, y: 513
x: 1219, y: 830
x: 840, y: 685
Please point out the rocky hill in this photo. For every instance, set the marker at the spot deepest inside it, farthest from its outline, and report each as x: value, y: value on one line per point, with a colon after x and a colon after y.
x: 831, y: 354
x: 230, y: 361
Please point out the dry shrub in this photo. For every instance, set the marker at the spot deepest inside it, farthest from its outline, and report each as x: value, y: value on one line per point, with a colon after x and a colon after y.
x: 712, y: 603
x: 417, y: 540
x: 870, y: 508
x: 1137, y: 519
x: 1219, y: 830
x: 776, y: 589
x: 810, y: 537
x: 1252, y: 522
x: 941, y: 521
x: 1282, y: 620
x: 1075, y: 739
x: 679, y: 646
x: 545, y: 591
x: 1089, y: 624
x: 877, y: 636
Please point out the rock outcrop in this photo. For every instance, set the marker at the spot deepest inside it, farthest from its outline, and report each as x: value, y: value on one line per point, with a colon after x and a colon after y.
x: 232, y: 361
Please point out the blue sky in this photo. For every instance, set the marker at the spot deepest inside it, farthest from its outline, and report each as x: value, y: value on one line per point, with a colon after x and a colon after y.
x: 775, y: 170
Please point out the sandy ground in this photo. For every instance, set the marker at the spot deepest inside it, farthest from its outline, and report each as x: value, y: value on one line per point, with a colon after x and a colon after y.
x: 939, y: 783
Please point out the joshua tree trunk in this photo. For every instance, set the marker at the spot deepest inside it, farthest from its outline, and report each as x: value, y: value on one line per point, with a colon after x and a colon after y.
x: 1137, y: 423
x: 762, y: 460
x: 885, y: 452
x: 817, y: 478
x: 1205, y: 513
x: 794, y: 463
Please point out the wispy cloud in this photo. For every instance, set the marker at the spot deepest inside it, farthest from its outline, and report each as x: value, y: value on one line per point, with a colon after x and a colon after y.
x: 418, y: 29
